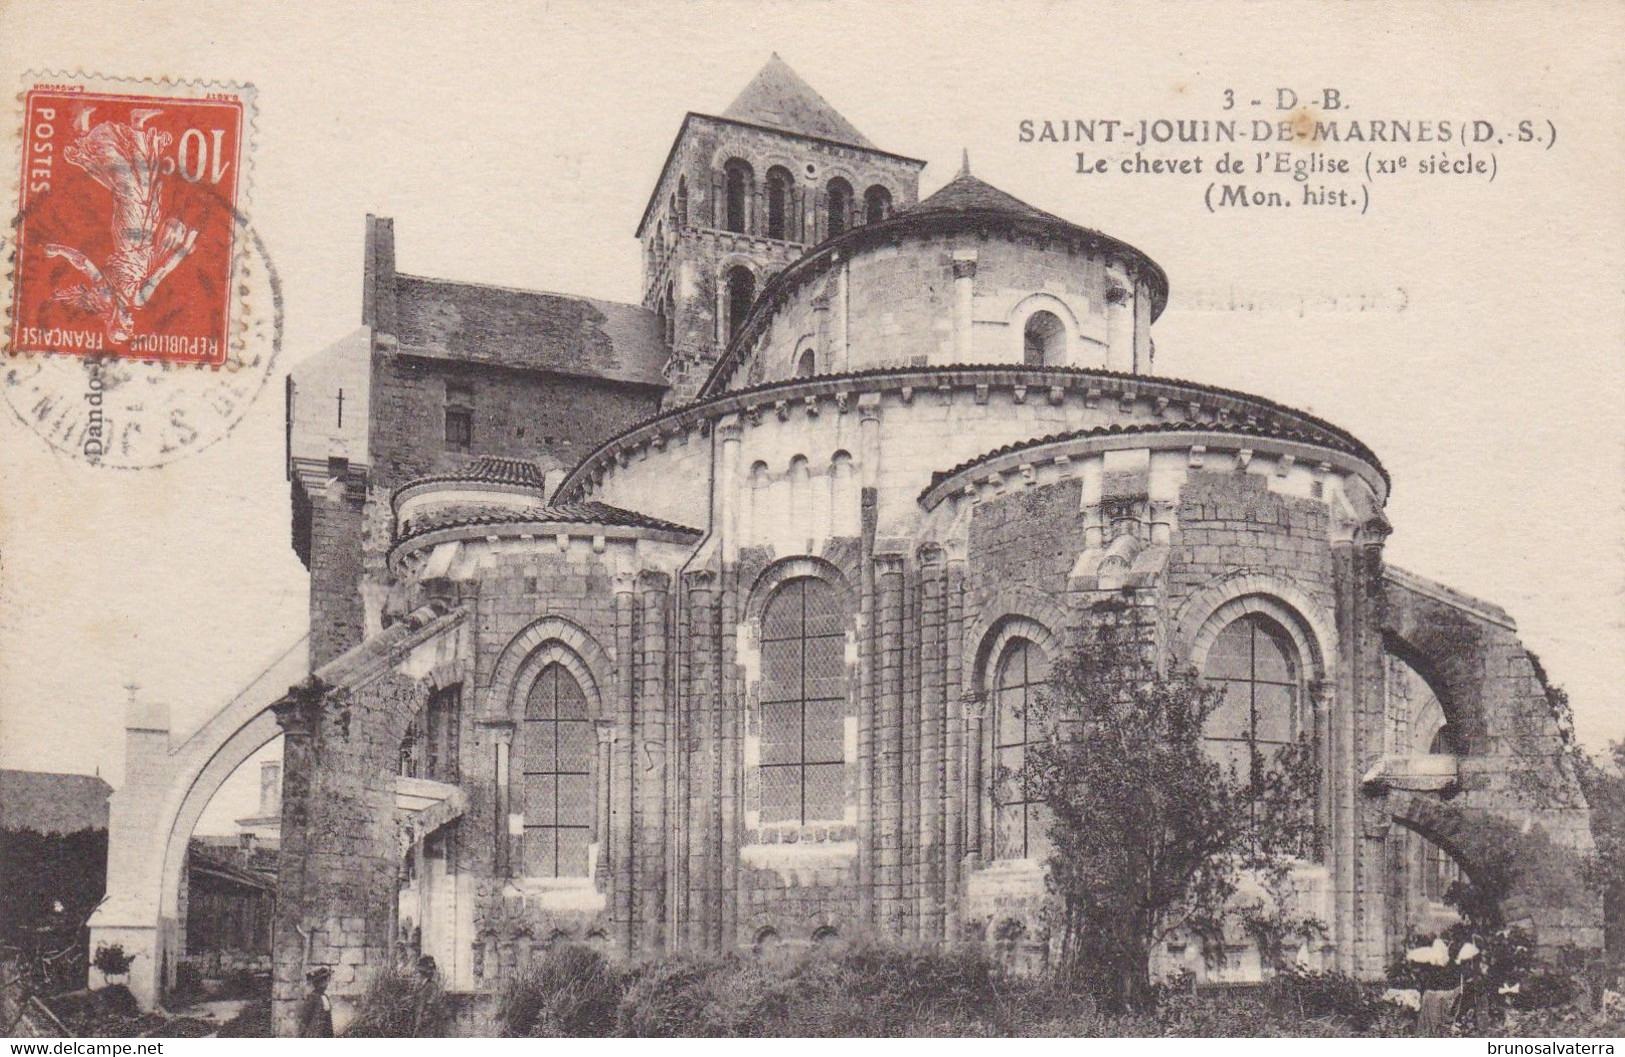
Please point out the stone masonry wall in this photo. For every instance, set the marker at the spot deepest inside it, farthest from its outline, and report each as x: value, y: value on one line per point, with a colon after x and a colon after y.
x: 550, y: 419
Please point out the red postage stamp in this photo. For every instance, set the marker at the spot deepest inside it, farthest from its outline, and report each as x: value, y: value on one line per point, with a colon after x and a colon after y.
x: 128, y: 227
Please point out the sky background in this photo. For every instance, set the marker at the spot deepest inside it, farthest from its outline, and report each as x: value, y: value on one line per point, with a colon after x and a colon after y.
x: 517, y: 145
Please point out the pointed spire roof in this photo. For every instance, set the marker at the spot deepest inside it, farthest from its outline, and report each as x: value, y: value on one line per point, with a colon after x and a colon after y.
x: 778, y: 98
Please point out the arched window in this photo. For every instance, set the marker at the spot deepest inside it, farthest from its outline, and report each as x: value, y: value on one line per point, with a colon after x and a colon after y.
x: 838, y: 206
x: 682, y: 201
x: 739, y: 182
x: 1043, y: 340
x: 741, y: 295
x: 1256, y: 663
x: 876, y: 204
x: 778, y: 203
x: 803, y: 702
x: 807, y: 364
x: 1018, y: 824
x: 554, y: 754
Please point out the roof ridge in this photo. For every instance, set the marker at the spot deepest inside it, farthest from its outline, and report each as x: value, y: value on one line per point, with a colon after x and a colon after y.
x: 475, y: 284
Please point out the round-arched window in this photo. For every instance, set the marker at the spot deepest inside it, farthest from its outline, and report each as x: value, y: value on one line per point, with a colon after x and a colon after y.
x: 803, y: 703
x: 778, y: 203
x: 838, y: 206
x: 738, y: 184
x: 806, y: 364
x: 1018, y: 824
x: 1257, y: 664
x: 876, y: 204
x: 1043, y: 340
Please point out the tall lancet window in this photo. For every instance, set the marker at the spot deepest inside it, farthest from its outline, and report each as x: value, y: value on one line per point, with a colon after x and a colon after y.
x: 554, y: 762
x: 803, y: 702
x: 1018, y: 820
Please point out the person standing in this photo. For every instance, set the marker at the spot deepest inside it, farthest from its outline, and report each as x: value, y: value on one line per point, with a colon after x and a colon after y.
x: 426, y: 999
x: 316, y: 1015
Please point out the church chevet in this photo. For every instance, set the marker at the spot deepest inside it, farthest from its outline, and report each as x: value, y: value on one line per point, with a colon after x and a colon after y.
x: 707, y: 623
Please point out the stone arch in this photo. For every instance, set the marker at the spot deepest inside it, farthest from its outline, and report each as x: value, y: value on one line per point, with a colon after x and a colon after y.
x: 1042, y: 618
x: 785, y: 570
x: 1433, y: 671
x: 1450, y: 827
x: 1030, y: 306
x: 546, y: 641
x: 1211, y: 609
x: 152, y: 818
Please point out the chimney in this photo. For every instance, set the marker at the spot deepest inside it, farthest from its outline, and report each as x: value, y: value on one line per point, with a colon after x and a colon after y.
x: 271, y: 789
x: 378, y: 275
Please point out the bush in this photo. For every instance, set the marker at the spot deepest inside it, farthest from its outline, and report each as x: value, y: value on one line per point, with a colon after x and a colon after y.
x: 398, y: 1006
x: 1314, y: 993
x: 111, y: 960
x: 572, y: 992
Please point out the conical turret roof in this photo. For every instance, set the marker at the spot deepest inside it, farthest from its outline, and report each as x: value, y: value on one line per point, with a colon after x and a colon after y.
x: 778, y: 98
x: 967, y: 194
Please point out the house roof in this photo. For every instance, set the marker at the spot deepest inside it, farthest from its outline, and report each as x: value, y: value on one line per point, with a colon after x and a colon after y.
x: 778, y: 98
x: 207, y: 860
x: 493, y: 469
x: 586, y: 512
x: 52, y: 803
x: 529, y: 330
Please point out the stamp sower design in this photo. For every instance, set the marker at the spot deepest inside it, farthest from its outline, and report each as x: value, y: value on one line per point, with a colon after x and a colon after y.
x: 127, y: 234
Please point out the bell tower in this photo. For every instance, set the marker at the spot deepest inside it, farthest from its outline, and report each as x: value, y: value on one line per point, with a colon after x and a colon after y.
x: 742, y: 195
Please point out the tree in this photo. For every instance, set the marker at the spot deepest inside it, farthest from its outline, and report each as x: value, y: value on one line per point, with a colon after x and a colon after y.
x: 1603, y: 780
x: 1150, y: 837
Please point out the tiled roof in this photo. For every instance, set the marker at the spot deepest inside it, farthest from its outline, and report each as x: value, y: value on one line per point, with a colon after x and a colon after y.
x: 966, y: 194
x: 1335, y: 436
x: 529, y: 330
x: 493, y: 469
x: 52, y: 803
x: 778, y: 98
x: 588, y: 512
x: 1270, y: 431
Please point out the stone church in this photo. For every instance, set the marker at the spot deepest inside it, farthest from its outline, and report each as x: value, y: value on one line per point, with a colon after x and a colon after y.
x: 707, y: 623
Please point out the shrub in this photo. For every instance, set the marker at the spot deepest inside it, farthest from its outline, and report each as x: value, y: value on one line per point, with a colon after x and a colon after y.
x: 398, y: 1006
x: 111, y: 960
x: 572, y: 992
x: 1316, y: 993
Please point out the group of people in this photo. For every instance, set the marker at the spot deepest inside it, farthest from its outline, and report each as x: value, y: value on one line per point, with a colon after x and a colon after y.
x: 316, y: 1015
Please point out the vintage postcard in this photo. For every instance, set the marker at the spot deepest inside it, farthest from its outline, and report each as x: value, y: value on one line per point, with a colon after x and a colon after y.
x: 812, y: 519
